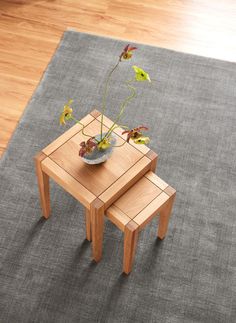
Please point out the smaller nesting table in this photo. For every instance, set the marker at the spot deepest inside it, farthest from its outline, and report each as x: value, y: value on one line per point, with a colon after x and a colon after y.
x: 137, y: 207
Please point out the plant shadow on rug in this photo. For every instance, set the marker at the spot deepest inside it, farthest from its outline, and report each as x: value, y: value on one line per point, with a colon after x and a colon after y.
x: 46, y: 270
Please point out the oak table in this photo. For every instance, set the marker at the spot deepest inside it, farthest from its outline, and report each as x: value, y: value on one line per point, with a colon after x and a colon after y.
x: 94, y: 186
x: 152, y: 196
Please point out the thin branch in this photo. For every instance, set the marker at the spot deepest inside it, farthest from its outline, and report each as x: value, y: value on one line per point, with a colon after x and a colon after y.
x: 121, y: 144
x: 123, y: 106
x: 86, y: 135
x: 104, y: 97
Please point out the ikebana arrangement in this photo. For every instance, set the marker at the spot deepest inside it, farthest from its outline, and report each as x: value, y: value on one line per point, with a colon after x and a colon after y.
x: 97, y: 149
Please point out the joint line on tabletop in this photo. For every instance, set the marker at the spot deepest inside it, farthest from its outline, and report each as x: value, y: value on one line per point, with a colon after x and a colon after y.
x: 72, y: 177
x: 122, y: 175
x: 157, y: 185
x: 141, y: 209
x: 125, y: 140
x: 70, y: 137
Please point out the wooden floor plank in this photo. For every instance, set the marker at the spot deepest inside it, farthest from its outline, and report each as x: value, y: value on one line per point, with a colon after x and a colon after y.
x: 31, y: 30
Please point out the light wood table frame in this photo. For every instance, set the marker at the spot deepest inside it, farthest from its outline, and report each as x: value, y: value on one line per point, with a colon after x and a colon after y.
x: 131, y: 212
x: 94, y: 186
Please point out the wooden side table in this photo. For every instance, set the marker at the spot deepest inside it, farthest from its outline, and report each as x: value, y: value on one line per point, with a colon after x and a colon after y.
x: 95, y: 186
x: 151, y: 195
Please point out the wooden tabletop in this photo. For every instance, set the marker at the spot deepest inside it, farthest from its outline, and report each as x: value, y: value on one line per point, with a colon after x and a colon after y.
x: 106, y: 181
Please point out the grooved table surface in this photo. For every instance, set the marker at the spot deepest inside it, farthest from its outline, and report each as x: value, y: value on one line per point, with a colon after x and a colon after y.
x: 140, y: 203
x: 106, y: 181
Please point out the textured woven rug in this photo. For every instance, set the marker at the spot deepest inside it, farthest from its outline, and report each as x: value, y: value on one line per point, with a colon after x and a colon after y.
x: 46, y: 269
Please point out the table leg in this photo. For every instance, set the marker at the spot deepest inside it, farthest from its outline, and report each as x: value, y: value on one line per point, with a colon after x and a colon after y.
x: 164, y: 217
x: 154, y: 158
x: 130, y: 243
x: 43, y: 184
x: 97, y: 220
x: 88, y: 225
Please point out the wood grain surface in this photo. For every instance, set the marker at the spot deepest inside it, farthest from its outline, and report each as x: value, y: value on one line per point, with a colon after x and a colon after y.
x: 96, y: 178
x: 137, y: 207
x: 31, y: 30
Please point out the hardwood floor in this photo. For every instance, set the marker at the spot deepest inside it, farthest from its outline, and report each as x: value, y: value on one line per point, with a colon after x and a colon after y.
x: 30, y: 31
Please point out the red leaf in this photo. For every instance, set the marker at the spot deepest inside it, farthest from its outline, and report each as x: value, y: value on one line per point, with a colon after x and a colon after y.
x: 132, y: 48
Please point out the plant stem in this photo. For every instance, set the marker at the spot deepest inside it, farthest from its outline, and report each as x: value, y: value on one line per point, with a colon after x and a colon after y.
x: 104, y: 97
x: 123, y: 106
x: 86, y: 135
x: 120, y: 126
x: 121, y: 144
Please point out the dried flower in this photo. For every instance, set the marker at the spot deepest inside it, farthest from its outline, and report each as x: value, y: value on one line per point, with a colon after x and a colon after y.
x: 87, y: 147
x: 142, y: 140
x: 104, y: 144
x: 127, y: 52
x: 105, y: 141
x: 136, y: 135
x: 67, y: 112
x: 140, y: 74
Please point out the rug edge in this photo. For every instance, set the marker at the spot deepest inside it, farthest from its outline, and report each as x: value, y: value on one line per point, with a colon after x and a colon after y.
x: 75, y: 30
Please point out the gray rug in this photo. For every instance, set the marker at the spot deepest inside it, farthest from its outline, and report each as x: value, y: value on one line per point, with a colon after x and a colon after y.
x: 46, y: 270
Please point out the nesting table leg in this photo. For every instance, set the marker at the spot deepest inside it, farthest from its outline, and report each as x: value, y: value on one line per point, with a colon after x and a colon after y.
x: 154, y: 158
x: 43, y: 184
x: 164, y: 217
x: 130, y: 243
x: 97, y: 220
x: 88, y: 225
